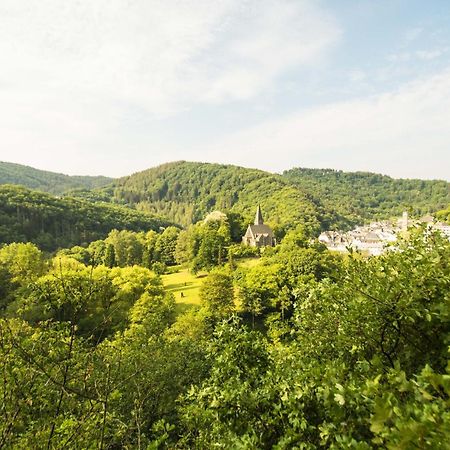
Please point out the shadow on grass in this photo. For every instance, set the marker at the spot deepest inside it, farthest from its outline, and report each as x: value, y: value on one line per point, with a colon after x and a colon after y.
x: 181, y: 308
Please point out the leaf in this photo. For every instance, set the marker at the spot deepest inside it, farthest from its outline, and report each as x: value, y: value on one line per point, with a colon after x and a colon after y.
x: 339, y: 398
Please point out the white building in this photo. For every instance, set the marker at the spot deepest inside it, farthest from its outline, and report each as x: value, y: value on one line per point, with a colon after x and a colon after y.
x: 374, y: 238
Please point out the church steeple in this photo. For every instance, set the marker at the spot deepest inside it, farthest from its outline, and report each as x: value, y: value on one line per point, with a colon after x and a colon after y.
x: 259, y: 218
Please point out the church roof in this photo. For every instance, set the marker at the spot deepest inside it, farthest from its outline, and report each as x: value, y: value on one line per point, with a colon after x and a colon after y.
x: 261, y: 229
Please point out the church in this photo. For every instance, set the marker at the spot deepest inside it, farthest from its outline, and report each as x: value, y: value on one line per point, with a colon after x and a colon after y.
x: 259, y: 234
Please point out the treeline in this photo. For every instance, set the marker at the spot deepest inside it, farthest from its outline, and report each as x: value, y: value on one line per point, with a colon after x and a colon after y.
x: 42, y: 180
x: 305, y: 350
x: 203, y: 246
x: 52, y: 223
x: 362, y: 196
x: 318, y: 199
x: 124, y: 248
x: 185, y: 192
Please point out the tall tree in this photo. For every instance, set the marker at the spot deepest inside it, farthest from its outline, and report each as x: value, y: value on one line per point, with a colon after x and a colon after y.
x: 217, y: 294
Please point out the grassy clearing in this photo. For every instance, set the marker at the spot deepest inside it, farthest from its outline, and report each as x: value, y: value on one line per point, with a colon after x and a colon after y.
x: 185, y: 287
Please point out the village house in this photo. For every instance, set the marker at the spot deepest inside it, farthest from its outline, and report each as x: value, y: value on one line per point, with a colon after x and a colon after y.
x: 259, y: 234
x: 374, y: 238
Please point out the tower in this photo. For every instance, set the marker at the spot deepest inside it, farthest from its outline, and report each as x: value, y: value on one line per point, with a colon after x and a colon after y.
x: 258, y: 217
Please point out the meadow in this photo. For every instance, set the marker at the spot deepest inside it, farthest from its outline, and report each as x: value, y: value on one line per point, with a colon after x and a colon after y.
x: 185, y: 286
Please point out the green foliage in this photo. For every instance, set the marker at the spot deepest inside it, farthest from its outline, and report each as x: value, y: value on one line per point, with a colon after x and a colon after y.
x: 80, y: 254
x: 159, y: 268
x: 109, y: 256
x: 55, y: 183
x: 243, y: 251
x: 362, y: 366
x: 362, y: 196
x: 395, y: 306
x: 284, y: 275
x: 444, y: 215
x: 217, y: 294
x: 204, y: 244
x: 7, y: 288
x: 60, y: 391
x: 227, y: 405
x: 258, y: 288
x: 346, y: 353
x: 318, y: 199
x: 124, y: 248
x: 96, y: 300
x: 165, y: 246
x: 52, y: 222
x: 127, y: 248
x: 185, y: 192
x: 53, y: 389
x: 24, y: 262
x: 212, y: 240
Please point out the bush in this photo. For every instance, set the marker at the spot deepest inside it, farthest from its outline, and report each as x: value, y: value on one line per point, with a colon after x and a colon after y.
x: 159, y: 268
x: 243, y: 251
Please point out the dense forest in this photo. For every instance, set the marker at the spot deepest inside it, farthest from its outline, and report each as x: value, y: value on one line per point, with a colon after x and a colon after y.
x: 184, y: 192
x: 286, y: 347
x: 42, y: 180
x: 319, y: 199
x: 363, y: 195
x: 52, y: 222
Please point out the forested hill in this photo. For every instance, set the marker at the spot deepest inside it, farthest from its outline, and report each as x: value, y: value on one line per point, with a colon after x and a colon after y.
x: 55, y: 183
x: 52, y: 222
x: 365, y: 195
x: 186, y: 191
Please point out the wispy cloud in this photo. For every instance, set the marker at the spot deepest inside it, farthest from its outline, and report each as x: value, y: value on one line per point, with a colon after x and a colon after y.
x: 161, y: 55
x: 75, y: 73
x: 418, y: 55
x: 427, y: 55
x: 402, y: 133
x: 413, y: 34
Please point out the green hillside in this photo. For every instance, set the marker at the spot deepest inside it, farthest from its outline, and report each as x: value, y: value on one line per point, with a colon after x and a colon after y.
x: 363, y: 195
x: 55, y: 183
x: 52, y: 222
x: 186, y: 191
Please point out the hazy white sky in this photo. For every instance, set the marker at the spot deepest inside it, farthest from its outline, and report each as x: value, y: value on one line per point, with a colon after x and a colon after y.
x: 115, y: 86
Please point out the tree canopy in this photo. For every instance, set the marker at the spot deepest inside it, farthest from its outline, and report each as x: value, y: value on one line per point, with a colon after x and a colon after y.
x: 42, y: 180
x: 290, y: 346
x: 52, y: 222
x: 362, y: 196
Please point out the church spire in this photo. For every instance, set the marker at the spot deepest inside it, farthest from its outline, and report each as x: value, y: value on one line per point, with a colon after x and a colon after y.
x: 259, y: 218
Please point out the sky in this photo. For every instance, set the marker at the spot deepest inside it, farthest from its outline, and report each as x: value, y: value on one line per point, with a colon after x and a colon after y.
x: 112, y: 87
